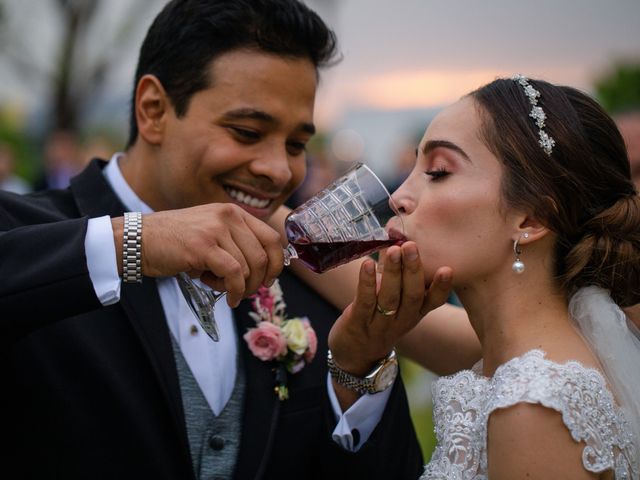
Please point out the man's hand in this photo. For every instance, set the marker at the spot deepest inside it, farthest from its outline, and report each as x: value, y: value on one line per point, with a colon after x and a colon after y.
x: 363, y: 335
x: 227, y: 248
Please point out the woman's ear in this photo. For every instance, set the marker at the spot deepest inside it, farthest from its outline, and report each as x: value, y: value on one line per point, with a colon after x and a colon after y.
x: 152, y: 106
x: 529, y: 229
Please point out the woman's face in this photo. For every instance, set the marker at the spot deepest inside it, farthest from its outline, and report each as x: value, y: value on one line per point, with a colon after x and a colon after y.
x: 452, y: 200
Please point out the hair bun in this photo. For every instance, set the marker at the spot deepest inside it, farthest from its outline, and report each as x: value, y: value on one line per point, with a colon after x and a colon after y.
x: 608, y: 255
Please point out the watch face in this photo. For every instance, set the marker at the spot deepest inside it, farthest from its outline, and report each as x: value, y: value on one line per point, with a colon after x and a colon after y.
x: 386, y: 376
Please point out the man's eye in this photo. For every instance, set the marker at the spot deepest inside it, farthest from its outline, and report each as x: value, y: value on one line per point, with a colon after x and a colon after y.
x: 437, y: 174
x: 296, y: 148
x: 246, y: 134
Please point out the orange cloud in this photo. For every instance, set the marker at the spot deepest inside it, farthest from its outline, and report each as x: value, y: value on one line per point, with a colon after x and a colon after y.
x: 417, y: 89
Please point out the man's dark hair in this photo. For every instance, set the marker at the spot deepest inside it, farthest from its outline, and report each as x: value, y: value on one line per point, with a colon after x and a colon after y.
x: 187, y: 35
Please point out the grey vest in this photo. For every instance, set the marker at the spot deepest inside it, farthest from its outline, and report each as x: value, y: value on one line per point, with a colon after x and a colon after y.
x: 213, y: 441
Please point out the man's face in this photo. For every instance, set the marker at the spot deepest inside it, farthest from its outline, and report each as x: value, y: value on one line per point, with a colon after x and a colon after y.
x: 242, y: 140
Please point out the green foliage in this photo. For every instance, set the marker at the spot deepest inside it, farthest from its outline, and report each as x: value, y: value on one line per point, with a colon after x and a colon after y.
x: 26, y: 155
x: 420, y: 408
x: 619, y: 90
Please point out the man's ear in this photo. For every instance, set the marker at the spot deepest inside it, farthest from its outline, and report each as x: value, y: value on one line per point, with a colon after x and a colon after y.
x: 152, y: 107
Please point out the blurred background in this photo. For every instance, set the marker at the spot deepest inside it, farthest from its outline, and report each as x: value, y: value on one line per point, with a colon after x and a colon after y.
x: 66, y: 69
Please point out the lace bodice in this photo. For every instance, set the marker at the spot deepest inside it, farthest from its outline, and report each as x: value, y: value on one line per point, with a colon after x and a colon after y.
x: 464, y: 401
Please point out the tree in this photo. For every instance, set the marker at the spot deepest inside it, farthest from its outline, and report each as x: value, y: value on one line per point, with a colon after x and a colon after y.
x: 73, y: 78
x: 619, y: 90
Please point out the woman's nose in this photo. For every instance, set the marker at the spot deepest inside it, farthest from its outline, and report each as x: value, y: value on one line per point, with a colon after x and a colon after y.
x: 402, y: 199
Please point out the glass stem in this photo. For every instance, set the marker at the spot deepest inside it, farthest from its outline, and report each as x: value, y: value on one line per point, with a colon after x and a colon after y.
x: 289, y: 253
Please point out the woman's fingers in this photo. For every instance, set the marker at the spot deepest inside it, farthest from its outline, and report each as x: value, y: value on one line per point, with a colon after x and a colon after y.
x: 439, y: 290
x: 390, y: 291
x: 413, y: 288
x: 365, y: 302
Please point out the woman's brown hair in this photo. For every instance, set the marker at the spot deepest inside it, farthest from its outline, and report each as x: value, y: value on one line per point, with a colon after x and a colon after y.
x: 582, y: 191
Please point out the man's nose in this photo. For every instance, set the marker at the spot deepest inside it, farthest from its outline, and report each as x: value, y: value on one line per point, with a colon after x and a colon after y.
x: 274, y: 165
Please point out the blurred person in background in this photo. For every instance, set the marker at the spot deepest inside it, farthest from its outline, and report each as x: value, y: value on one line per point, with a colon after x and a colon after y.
x: 9, y: 180
x: 403, y: 160
x: 321, y: 171
x: 97, y: 146
x: 61, y: 160
x: 629, y: 125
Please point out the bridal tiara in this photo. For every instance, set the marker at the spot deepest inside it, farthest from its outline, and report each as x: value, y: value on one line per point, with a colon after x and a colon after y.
x: 546, y: 141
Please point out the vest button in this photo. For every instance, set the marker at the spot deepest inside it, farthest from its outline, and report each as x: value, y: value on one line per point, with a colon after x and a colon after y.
x: 216, y: 442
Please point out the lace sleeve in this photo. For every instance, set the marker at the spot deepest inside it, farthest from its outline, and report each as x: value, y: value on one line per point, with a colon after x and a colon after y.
x: 583, y: 399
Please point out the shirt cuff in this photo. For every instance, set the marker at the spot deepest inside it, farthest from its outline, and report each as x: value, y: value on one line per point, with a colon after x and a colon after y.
x: 356, y: 425
x: 101, y: 260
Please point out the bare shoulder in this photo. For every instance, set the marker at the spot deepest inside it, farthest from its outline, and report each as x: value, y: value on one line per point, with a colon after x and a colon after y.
x: 531, y: 441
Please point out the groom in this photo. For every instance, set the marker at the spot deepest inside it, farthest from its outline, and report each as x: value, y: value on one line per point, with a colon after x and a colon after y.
x: 106, y: 378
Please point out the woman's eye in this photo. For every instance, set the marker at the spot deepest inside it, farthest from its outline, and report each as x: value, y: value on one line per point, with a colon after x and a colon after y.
x: 437, y: 174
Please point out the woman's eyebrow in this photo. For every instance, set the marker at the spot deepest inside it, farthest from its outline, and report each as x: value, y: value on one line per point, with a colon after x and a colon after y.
x: 433, y: 144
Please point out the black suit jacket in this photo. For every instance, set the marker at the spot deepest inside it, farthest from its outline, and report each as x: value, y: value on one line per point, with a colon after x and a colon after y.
x: 92, y: 391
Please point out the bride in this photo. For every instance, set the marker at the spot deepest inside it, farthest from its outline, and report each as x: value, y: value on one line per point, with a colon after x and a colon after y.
x: 523, y: 189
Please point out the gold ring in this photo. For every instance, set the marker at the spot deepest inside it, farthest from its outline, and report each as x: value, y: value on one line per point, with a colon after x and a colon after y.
x: 384, y: 312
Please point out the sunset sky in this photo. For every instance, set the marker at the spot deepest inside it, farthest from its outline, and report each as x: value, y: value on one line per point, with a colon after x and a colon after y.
x: 425, y: 53
x: 398, y: 55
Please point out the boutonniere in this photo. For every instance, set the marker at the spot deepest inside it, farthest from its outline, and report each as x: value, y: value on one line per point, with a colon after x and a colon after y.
x: 291, y: 342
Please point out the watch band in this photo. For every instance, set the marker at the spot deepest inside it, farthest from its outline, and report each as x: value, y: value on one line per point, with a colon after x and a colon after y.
x: 361, y: 385
x: 132, y: 248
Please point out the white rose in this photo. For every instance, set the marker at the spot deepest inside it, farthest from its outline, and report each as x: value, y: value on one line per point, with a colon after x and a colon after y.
x: 296, y: 336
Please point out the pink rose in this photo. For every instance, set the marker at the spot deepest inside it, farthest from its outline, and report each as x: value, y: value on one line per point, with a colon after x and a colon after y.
x: 266, y: 341
x: 313, y: 341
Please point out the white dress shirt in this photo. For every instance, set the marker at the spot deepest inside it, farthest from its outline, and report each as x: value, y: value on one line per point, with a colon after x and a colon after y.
x: 213, y: 364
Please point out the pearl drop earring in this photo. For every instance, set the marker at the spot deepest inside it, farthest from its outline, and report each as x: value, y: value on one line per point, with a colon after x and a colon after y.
x: 518, y: 265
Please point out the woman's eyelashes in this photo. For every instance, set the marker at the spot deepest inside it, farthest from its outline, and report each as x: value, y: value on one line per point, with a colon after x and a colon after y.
x: 437, y: 173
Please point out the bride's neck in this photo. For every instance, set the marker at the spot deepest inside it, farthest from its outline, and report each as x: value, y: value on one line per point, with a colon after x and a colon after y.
x: 516, y: 317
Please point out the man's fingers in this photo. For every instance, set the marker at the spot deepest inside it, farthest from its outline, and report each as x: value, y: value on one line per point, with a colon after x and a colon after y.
x: 270, y: 242
x: 230, y: 245
x: 439, y: 290
x: 254, y: 254
x: 224, y: 266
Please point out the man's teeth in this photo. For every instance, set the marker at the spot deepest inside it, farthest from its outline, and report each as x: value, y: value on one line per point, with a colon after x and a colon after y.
x: 247, y: 199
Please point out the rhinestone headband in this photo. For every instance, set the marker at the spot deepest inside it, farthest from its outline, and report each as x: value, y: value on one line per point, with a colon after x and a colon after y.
x: 546, y: 142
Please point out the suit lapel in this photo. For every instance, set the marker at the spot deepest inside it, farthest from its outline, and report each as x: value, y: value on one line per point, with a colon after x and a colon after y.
x: 140, y: 301
x: 261, y: 409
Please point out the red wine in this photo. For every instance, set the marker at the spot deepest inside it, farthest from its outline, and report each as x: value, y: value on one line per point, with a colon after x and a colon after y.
x: 320, y: 257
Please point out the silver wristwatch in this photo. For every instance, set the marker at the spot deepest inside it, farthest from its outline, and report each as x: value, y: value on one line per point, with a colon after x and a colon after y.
x: 379, y: 379
x: 132, y: 248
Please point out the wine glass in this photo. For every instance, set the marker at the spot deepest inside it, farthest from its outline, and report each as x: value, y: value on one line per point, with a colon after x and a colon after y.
x: 351, y: 218
x: 202, y: 302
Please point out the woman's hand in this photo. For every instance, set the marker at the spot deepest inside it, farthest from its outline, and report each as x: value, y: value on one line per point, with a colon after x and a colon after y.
x: 384, y: 311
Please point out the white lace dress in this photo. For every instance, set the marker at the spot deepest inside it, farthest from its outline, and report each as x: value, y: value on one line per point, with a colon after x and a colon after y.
x: 464, y: 401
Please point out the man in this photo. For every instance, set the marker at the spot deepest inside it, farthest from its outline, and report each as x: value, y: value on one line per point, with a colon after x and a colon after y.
x: 111, y: 379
